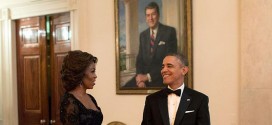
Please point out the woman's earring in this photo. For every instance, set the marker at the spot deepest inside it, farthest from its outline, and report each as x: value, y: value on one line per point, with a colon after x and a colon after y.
x: 81, y: 83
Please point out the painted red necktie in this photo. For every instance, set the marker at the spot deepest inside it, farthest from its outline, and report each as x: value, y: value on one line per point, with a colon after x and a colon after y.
x: 152, y: 42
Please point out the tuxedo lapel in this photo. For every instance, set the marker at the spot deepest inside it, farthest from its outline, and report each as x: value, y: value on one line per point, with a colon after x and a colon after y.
x: 183, y: 105
x: 164, y: 108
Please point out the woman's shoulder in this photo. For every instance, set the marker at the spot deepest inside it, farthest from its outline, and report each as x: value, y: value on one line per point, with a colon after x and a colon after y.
x: 67, y: 97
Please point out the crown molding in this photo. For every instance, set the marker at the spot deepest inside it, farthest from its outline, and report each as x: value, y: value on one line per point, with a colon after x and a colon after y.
x: 37, y: 8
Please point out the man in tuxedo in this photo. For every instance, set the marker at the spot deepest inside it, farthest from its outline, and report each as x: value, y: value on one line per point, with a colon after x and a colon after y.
x: 176, y: 104
x: 155, y: 42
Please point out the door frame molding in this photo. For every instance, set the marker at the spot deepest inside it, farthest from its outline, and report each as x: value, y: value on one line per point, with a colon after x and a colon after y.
x: 8, y: 65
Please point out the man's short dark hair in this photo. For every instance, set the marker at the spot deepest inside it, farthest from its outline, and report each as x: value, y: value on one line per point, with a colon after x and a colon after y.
x: 182, y: 58
x: 153, y: 5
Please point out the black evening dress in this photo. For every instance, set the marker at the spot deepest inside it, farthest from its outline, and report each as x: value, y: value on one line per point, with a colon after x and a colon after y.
x: 73, y: 112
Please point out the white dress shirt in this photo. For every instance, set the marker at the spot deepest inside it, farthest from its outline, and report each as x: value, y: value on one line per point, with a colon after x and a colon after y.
x: 173, y: 104
x: 155, y: 31
x: 155, y: 34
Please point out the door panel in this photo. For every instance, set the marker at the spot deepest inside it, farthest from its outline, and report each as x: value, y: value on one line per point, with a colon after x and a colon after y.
x: 32, y: 89
x: 31, y: 62
x: 60, y: 45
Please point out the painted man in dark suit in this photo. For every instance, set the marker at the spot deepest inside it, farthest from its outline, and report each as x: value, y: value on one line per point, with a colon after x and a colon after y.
x: 155, y: 42
x: 176, y: 104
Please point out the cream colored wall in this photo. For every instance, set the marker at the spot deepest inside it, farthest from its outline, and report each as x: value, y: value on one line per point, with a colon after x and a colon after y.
x: 1, y: 94
x: 216, y: 57
x: 256, y: 62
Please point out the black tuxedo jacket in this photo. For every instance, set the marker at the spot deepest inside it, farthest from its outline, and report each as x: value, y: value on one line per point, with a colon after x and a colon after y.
x: 165, y: 42
x: 193, y: 109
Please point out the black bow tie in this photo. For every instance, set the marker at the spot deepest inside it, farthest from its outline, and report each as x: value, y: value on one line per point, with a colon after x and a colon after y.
x: 177, y: 92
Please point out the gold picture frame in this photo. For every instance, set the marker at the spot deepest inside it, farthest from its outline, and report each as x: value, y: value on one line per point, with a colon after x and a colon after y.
x: 129, y: 19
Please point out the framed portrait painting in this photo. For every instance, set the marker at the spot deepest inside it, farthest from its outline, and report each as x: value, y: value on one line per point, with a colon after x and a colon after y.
x: 145, y: 31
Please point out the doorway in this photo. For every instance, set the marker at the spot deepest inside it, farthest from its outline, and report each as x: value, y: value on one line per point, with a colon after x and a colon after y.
x: 42, y: 42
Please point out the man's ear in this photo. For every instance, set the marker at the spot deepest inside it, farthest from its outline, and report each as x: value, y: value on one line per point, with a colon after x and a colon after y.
x: 185, y: 70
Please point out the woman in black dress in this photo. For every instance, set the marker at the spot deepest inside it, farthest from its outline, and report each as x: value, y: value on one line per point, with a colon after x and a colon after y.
x: 78, y: 75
